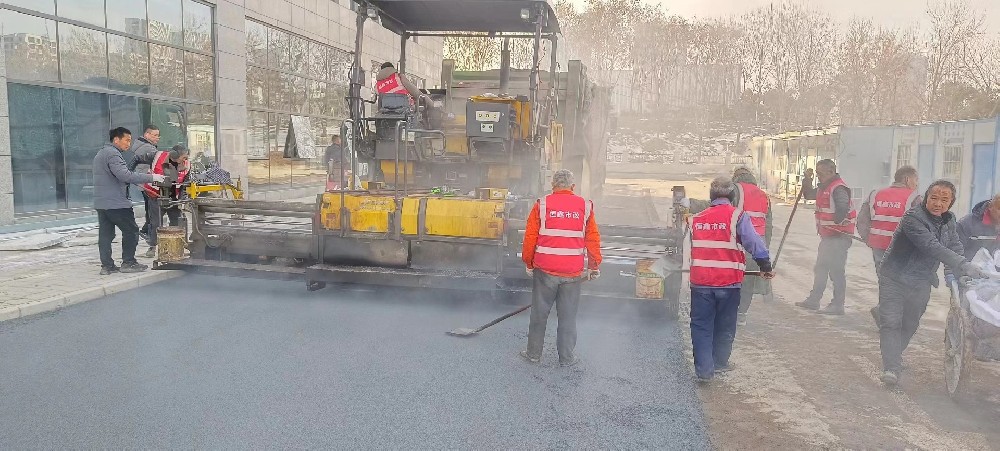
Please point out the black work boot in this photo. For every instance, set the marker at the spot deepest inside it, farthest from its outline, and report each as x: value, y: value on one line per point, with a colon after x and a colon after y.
x: 832, y: 309
x: 105, y: 271
x: 808, y: 304
x: 133, y: 267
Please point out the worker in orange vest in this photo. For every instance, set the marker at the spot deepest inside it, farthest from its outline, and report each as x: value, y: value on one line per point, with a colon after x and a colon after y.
x: 884, y: 208
x: 174, y: 161
x: 721, y: 235
x: 562, y: 248
x: 390, y: 81
x: 835, y: 224
x: 757, y: 207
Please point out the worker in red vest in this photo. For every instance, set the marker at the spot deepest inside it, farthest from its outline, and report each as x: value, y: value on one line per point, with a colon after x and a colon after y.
x: 167, y: 163
x: 389, y: 81
x: 835, y: 223
x: 757, y: 207
x: 562, y: 248
x: 719, y: 237
x: 884, y: 208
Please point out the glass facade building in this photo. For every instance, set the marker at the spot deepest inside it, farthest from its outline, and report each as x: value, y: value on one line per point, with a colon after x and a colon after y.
x: 220, y: 76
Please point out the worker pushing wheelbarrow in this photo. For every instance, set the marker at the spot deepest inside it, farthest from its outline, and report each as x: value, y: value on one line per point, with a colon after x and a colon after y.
x: 974, y: 316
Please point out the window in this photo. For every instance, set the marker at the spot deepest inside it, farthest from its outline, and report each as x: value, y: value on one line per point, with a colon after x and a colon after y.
x: 127, y: 16
x: 197, y: 26
x: 89, y: 11
x: 128, y: 64
x: 57, y: 129
x: 35, y: 147
x: 83, y: 56
x: 904, y: 155
x: 289, y: 74
x: 952, y: 164
x: 85, y: 122
x: 165, y: 21
x: 29, y: 44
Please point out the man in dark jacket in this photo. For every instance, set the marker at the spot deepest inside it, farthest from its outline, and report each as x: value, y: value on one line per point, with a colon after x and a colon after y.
x: 980, y: 227
x: 114, y: 209
x: 979, y: 230
x: 926, y: 237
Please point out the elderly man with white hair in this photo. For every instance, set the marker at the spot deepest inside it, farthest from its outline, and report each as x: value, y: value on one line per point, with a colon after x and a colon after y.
x: 719, y: 235
x: 562, y: 248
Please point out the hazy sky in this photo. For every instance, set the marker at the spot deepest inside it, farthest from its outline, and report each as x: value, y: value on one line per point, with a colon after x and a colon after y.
x: 902, y: 13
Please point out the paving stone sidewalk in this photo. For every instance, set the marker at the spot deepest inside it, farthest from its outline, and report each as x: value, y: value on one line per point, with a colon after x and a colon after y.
x: 39, y: 281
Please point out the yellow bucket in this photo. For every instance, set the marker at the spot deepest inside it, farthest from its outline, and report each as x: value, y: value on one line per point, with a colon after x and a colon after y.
x: 170, y: 244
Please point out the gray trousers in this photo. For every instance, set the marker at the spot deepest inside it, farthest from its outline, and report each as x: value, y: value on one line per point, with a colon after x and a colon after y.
x: 564, y: 293
x: 900, y: 307
x: 831, y: 262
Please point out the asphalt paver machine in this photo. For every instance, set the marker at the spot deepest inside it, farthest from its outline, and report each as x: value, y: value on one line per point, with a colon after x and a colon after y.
x: 451, y: 174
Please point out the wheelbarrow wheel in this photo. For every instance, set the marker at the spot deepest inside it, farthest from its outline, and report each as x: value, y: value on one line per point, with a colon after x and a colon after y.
x: 958, y: 352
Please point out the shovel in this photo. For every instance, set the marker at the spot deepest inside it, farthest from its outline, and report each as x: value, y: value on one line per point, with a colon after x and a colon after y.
x: 467, y: 332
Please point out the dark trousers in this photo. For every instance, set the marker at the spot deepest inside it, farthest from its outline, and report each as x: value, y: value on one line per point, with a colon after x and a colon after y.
x: 564, y: 293
x: 713, y: 327
x: 145, y: 207
x: 124, y: 220
x: 831, y: 263
x: 900, y: 307
x: 154, y: 213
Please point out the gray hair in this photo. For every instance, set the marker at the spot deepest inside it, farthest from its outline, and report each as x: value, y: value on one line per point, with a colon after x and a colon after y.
x: 563, y: 178
x: 721, y: 187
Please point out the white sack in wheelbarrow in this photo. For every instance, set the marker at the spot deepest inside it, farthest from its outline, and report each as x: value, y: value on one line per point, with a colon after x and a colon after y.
x: 984, y: 296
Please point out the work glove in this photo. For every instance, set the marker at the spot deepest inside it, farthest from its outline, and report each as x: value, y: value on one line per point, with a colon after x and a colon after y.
x: 529, y: 271
x: 593, y: 274
x: 949, y: 279
x: 767, y: 275
x: 973, y: 271
x: 158, y: 178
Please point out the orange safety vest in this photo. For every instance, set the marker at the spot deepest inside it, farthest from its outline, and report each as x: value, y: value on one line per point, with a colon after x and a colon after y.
x: 887, y: 207
x: 753, y: 202
x: 391, y: 85
x: 825, y: 212
x: 157, y: 168
x: 561, y: 247
x: 717, y: 258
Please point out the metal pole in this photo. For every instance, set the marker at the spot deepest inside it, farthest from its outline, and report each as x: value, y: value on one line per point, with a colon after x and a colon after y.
x: 784, y: 234
x: 402, y: 55
x: 355, y: 104
x: 504, y: 66
x: 533, y: 82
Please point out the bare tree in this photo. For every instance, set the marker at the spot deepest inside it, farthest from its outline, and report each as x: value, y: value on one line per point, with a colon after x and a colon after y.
x: 954, y: 27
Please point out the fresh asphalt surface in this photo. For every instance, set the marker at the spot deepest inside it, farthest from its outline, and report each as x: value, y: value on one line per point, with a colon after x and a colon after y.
x: 208, y: 362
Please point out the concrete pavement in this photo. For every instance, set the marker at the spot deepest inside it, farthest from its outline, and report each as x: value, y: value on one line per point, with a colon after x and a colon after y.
x: 39, y: 281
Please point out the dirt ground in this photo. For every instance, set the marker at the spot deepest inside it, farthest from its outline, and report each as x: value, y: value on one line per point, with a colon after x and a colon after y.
x: 806, y: 381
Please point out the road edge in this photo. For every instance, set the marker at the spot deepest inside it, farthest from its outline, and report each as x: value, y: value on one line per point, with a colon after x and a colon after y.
x: 88, y: 294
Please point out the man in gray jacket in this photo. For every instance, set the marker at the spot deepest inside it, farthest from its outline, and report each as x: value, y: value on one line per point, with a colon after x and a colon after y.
x: 144, y: 151
x: 114, y: 209
x: 926, y: 237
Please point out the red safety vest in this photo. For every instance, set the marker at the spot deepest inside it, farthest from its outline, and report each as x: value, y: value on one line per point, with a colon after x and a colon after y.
x: 887, y: 207
x: 157, y: 168
x: 561, y: 247
x: 753, y: 202
x: 825, y: 212
x: 391, y: 85
x: 717, y: 258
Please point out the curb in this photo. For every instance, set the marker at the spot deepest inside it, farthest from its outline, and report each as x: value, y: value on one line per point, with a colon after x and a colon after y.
x: 88, y: 294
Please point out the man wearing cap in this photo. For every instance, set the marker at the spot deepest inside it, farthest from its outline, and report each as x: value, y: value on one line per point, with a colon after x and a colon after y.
x: 719, y: 237
x: 562, y: 248
x: 173, y: 165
